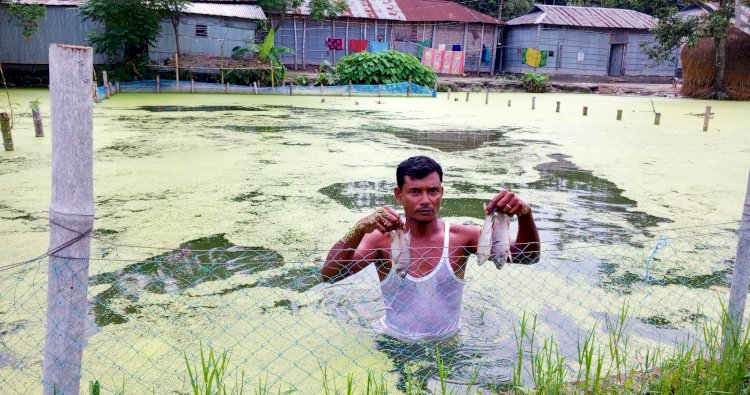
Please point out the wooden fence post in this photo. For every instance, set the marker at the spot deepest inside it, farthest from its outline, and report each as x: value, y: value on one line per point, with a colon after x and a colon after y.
x: 533, y: 102
x: 255, y: 87
x: 619, y: 115
x: 380, y: 90
x: 706, y: 118
x: 71, y: 216
x: 105, y: 81
x: 192, y: 85
x: 36, y: 114
x: 408, y: 88
x: 158, y: 83
x: 585, y: 111
x: 467, y: 96
x: 487, y: 96
x: 740, y: 275
x: 350, y: 82
x: 291, y: 88
x: 508, y: 103
x: 557, y: 108
x: 657, y: 118
x: 449, y: 93
x: 5, y: 130
x: 117, y: 86
x: 96, y: 93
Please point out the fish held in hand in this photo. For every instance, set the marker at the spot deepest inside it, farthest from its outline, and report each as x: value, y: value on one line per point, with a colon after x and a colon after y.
x: 485, y: 240
x: 500, y: 251
x: 401, y: 251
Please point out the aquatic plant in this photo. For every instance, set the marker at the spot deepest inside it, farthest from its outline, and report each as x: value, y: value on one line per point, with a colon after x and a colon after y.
x: 535, y: 82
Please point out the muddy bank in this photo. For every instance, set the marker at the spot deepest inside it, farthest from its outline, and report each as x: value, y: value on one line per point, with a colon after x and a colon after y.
x: 479, y: 84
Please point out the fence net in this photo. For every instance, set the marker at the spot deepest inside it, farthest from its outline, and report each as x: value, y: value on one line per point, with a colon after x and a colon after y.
x: 395, y: 89
x: 152, y: 310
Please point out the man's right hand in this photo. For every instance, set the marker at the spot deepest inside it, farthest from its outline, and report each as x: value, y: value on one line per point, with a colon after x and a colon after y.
x: 384, y: 220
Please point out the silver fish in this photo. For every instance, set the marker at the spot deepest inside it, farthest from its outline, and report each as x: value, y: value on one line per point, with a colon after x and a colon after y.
x: 485, y: 240
x: 401, y: 251
x: 500, y: 252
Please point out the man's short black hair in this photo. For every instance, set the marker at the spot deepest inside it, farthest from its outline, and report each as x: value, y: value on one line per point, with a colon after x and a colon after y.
x: 417, y: 167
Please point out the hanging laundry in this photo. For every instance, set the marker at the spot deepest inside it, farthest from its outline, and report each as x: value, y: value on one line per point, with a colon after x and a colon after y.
x: 533, y: 57
x: 420, y: 48
x: 486, y: 55
x: 357, y: 45
x: 543, y: 59
x: 377, y: 46
x: 442, y: 61
x: 456, y: 47
x: 335, y: 44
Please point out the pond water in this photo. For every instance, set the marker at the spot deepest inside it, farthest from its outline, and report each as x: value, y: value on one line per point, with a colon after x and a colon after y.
x: 213, y: 213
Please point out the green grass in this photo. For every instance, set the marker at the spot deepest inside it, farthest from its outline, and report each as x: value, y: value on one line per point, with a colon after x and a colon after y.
x: 714, y: 362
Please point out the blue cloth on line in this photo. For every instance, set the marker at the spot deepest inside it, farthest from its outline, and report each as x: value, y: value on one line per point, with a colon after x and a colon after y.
x: 456, y: 47
x: 377, y: 46
x: 486, y: 56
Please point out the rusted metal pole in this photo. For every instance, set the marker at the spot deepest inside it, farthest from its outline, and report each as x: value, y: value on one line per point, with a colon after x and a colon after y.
x: 71, y: 216
x: 36, y: 114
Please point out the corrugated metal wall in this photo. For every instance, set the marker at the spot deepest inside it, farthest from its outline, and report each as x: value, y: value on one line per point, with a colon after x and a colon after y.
x: 403, y: 36
x: 579, y: 52
x: 61, y: 25
x: 221, y: 32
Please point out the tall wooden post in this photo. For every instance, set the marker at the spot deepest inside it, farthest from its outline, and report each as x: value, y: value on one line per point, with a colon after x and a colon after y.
x: 740, y: 274
x: 619, y: 115
x: 533, y: 102
x: 408, y: 88
x: 36, y: 114
x: 557, y: 109
x: 706, y: 118
x: 5, y: 130
x: 71, y: 216
x: 585, y: 111
x: 657, y: 118
x: 487, y: 96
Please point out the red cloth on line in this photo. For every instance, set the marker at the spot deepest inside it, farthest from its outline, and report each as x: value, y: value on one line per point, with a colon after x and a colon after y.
x: 335, y: 44
x: 357, y: 45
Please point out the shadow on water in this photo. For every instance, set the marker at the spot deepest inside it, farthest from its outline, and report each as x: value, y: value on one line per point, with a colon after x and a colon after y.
x: 195, y: 262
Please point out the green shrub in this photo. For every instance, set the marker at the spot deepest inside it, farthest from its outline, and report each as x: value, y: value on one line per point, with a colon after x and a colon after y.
x: 383, y: 68
x: 326, y: 74
x: 535, y: 82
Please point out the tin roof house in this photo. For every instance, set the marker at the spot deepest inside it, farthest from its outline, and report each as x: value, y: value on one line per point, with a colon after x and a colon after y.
x: 401, y: 25
x: 591, y: 42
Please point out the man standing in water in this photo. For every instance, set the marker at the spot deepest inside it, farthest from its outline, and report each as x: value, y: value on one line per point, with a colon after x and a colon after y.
x: 426, y: 303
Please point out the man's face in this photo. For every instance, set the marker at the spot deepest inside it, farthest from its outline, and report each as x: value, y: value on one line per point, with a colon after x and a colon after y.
x: 421, y: 197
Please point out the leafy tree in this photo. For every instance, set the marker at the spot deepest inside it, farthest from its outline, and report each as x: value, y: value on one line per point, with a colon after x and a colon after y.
x: 174, y: 9
x: 671, y: 32
x: 130, y: 26
x: 25, y: 16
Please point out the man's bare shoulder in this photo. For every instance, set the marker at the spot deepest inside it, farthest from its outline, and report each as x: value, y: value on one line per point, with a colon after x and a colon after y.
x: 464, y: 234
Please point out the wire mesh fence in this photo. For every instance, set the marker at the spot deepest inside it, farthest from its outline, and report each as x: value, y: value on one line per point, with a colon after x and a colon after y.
x: 153, y: 309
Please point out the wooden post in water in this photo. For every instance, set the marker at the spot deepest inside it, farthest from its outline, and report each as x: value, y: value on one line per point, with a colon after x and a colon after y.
x: 96, y: 93
x: 557, y: 108
x: 5, y: 130
x: 117, y: 86
x: 350, y: 81
x: 533, y: 102
x: 321, y: 89
x: 112, y: 89
x: 508, y: 103
x: 740, y: 276
x: 585, y: 111
x: 408, y: 88
x: 487, y: 96
x: 105, y: 81
x: 706, y: 118
x: 380, y: 90
x: 255, y: 87
x: 71, y: 217
x: 291, y: 88
x: 619, y: 115
x: 467, y: 96
x: 192, y: 85
x: 449, y: 93
x: 36, y: 114
x: 226, y: 88
x: 657, y: 118
x: 158, y: 83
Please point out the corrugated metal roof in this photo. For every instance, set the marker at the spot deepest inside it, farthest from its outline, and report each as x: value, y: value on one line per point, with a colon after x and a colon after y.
x: 409, y: 10
x: 442, y: 10
x: 585, y: 17
x: 243, y: 11
x: 742, y: 17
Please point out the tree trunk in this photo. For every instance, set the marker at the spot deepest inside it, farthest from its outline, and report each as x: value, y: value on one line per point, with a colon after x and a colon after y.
x: 500, y: 4
x: 720, y: 68
x: 176, y: 26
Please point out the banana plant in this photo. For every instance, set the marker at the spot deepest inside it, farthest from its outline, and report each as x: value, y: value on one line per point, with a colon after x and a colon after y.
x: 266, y: 52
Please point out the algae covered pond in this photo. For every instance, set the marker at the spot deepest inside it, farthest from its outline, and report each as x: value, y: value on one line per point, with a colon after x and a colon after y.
x: 213, y: 213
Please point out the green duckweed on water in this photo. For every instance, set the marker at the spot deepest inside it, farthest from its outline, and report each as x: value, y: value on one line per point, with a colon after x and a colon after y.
x: 262, y: 186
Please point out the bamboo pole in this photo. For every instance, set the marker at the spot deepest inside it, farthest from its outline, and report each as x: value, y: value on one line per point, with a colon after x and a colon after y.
x: 585, y: 111
x: 533, y: 102
x: 5, y: 130
x: 255, y: 87
x: 486, y: 94
x: 706, y: 118
x: 408, y: 88
x: 192, y: 85
x: 71, y: 217
x: 657, y: 118
x: 36, y: 114
x: 158, y: 83
x: 177, y: 69
x: 740, y: 276
x: 467, y: 96
x: 221, y: 67
x: 619, y: 115
x: 105, y: 81
x: 557, y: 108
